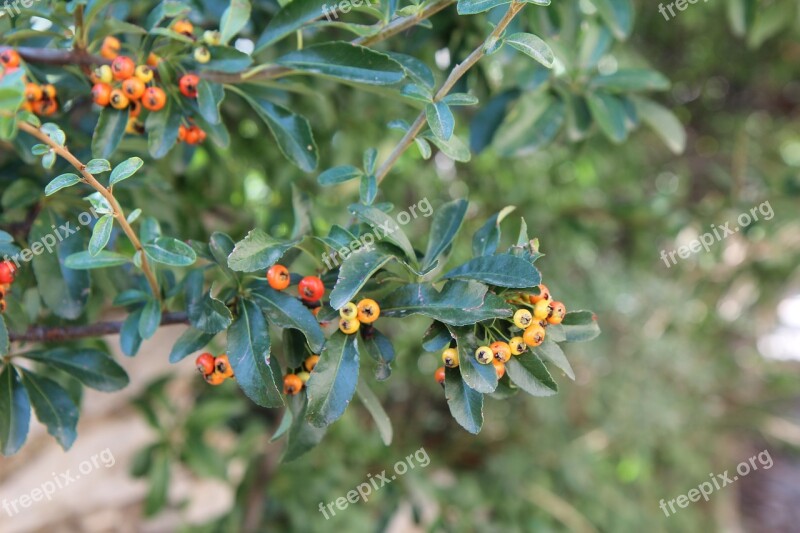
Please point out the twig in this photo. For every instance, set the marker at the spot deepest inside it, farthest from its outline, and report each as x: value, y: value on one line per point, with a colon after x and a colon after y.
x: 456, y: 74
x: 107, y: 194
x: 49, y: 56
x: 63, y: 333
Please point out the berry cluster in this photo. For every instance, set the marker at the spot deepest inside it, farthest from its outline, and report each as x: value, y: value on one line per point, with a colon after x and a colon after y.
x: 211, y: 38
x: 352, y: 316
x: 215, y: 370
x: 537, y: 311
x: 124, y: 85
x: 39, y: 99
x: 310, y: 288
x: 7, y: 272
x: 294, y: 382
x: 191, y: 134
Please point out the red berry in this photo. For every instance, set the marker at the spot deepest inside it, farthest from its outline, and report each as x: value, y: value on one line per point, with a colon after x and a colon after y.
x: 123, y: 68
x: 311, y: 288
x: 205, y: 363
x: 278, y: 277
x: 188, y: 85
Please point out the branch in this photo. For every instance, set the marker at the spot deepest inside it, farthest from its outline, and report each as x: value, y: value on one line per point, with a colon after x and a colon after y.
x: 108, y: 195
x: 271, y: 72
x: 456, y: 74
x: 63, y: 333
x: 49, y: 56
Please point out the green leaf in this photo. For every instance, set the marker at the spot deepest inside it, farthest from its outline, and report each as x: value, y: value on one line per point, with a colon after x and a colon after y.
x: 248, y: 352
x: 87, y: 261
x: 12, y: 93
x: 385, y: 227
x: 60, y: 182
x: 234, y: 19
x: 125, y: 170
x: 209, y: 314
x: 345, y: 61
x: 368, y: 189
x: 333, y: 381
x: 552, y: 352
x: 532, y: 46
x: 440, y: 120
x: 129, y: 339
x: 634, y: 79
x: 459, y: 303
x: 618, y: 14
x: 192, y: 340
x: 91, y: 367
x: 664, y: 122
x: 290, y: 18
x: 502, y: 270
x: 221, y: 246
x: 529, y: 374
x: 65, y: 291
x: 454, y: 148
x: 15, y: 412
x: 355, y: 271
x: 227, y: 59
x: 486, y: 239
x: 101, y: 234
x: 98, y: 166
x: 473, y: 7
x: 302, y: 435
x: 488, y: 118
x: 531, y: 124
x: 162, y: 130
x: 444, y: 227
x: 257, y: 251
x: 292, y: 132
x: 335, y: 175
x: 150, y: 319
x: 109, y: 132
x: 437, y: 337
x: 466, y: 405
x: 460, y: 99
x: 580, y: 326
x: 380, y: 349
x: 169, y: 251
x: 53, y: 406
x: 209, y: 99
x: 288, y: 312
x: 4, y: 342
x: 609, y: 113
x: 481, y: 378
x: 158, y: 482
x: 373, y: 405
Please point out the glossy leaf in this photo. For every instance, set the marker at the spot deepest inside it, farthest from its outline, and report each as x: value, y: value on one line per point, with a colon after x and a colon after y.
x: 125, y: 170
x: 169, y: 251
x: 609, y: 114
x: 257, y: 251
x: 287, y: 311
x: 355, y: 272
x: 532, y: 46
x: 334, y: 380
x: 528, y: 373
x: 385, y: 227
x: 481, y: 378
x: 101, y: 233
x: 466, y: 405
x: 444, y: 227
x: 502, y: 270
x: 373, y: 405
x: 87, y: 261
x: 53, y: 406
x: 440, y: 120
x: 109, y: 132
x: 91, y: 367
x: 380, y: 349
x: 235, y: 17
x: 580, y: 326
x: 552, y: 352
x: 336, y: 175
x: 61, y: 182
x: 345, y: 61
x: 459, y: 303
x: 191, y: 341
x: 302, y: 436
x: 293, y: 15
x: 15, y: 411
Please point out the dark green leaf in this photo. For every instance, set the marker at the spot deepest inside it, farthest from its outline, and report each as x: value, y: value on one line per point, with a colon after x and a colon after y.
x: 291, y: 17
x: 345, y: 61
x: 634, y: 79
x: 125, y: 170
x: 502, y: 270
x: 234, y: 19
x: 169, y: 251
x: 529, y: 373
x: 302, y: 435
x: 437, y: 337
x: 257, y: 251
x: 552, y: 352
x: 101, y: 234
x: 87, y: 261
x: 158, y: 481
x: 335, y: 175
x: 98, y: 166
x: 532, y: 46
x: 15, y: 412
x: 162, y: 130
x: 61, y: 182
x: 355, y: 271
x: 4, y: 342
x: 109, y: 132
x: 385, y: 227
x: 444, y: 227
x: 618, y: 14
x: 129, y: 339
x: 368, y: 189
x: 288, y: 312
x: 440, y: 120
x: 92, y: 367
x: 53, y: 406
x: 466, y: 405
x: 333, y: 382
x: 209, y: 99
x: 486, y: 239
x: 609, y: 114
x: 379, y: 348
x: 459, y: 303
x: 481, y: 378
x: 373, y: 405
x: 227, y: 59
x: 580, y: 326
x: 192, y: 340
x: 150, y: 319
x: 209, y: 314
x: 531, y: 124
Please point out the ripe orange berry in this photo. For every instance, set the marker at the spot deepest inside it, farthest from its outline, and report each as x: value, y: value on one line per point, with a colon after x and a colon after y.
x: 292, y: 384
x: 144, y: 73
x: 501, y: 351
x: 133, y: 88
x: 223, y: 366
x: 154, y: 99
x: 49, y: 91
x: 311, y: 288
x: 118, y: 100
x: 499, y: 368
x: 368, y: 311
x: 215, y: 378
x: 181, y: 133
x: 33, y: 92
x: 278, y: 277
x: 101, y: 94
x: 9, y: 59
x: 534, y: 335
x: 544, y: 294
x: 45, y: 108
x: 484, y: 355
x: 558, y: 313
x: 349, y: 325
x: 192, y: 136
x: 201, y: 136
x: 523, y: 318
x: 450, y: 358
x: 349, y: 310
x: 205, y: 363
x: 110, y: 47
x: 541, y: 309
x: 122, y: 68
x: 188, y: 85
x: 517, y: 345
x: 153, y: 60
x: 439, y: 375
x: 184, y: 27
x: 311, y: 362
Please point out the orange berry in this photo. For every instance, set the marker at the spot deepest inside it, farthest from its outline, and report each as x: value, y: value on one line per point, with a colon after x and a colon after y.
x: 192, y: 136
x: 45, y: 108
x: 188, y: 85
x: 534, y: 335
x: 110, y: 47
x: 181, y: 133
x: 311, y: 362
x: 499, y: 368
x: 153, y: 60
x: 223, y: 366
x: 49, y: 91
x: 33, y: 92
x: 310, y: 288
x: 9, y: 59
x: 134, y: 108
x: 501, y: 351
x: 205, y: 363
x: 278, y: 277
x: 118, y: 100
x: 368, y: 311
x: 184, y: 27
x: 101, y: 94
x: 292, y: 384
x: 544, y: 294
x: 154, y: 99
x: 215, y: 378
x: 557, y: 315
x: 133, y: 88
x: 439, y: 375
x: 122, y: 68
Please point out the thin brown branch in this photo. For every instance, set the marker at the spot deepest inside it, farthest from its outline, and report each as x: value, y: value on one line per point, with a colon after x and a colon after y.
x: 63, y: 333
x: 50, y: 56
x: 118, y: 213
x: 456, y: 74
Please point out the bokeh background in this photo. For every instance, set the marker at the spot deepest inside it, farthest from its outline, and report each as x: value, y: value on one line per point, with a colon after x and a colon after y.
x: 696, y: 369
